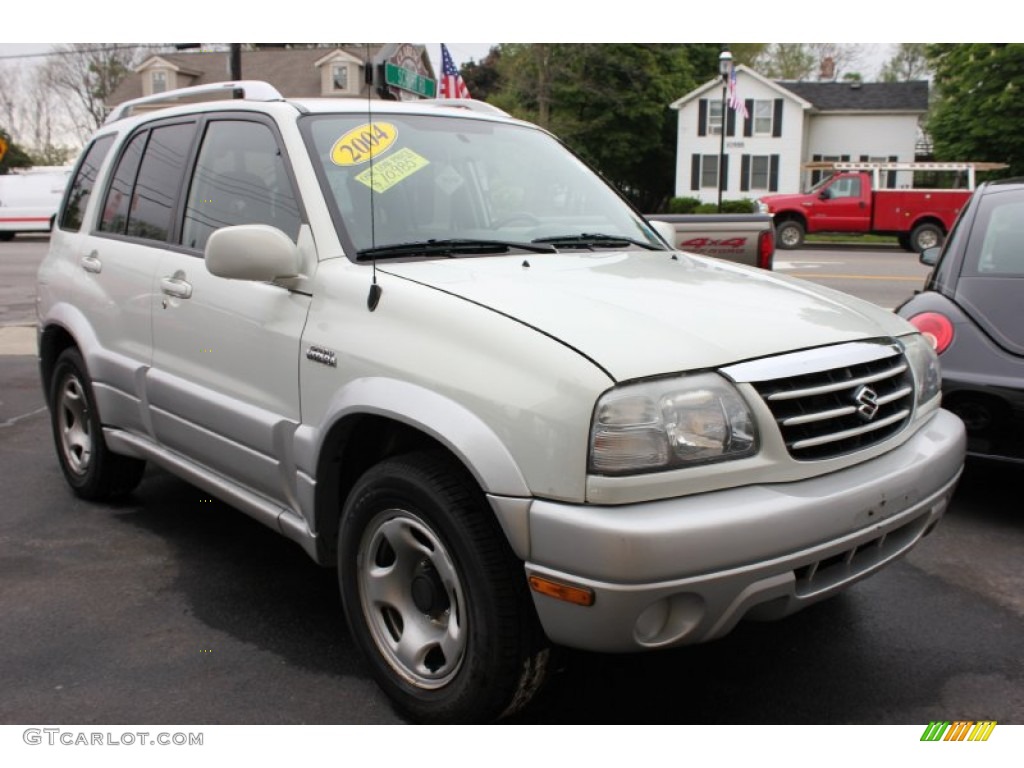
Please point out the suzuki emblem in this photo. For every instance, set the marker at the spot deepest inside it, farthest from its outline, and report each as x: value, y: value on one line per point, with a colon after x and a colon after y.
x: 867, y: 402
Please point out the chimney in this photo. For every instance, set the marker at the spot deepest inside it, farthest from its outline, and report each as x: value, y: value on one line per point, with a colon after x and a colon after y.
x: 828, y: 69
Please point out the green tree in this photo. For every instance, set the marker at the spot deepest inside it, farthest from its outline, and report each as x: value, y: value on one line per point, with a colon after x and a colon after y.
x: 14, y: 157
x: 980, y: 103
x: 482, y: 78
x: 804, y: 61
x: 85, y: 74
x: 909, y: 62
x: 609, y: 103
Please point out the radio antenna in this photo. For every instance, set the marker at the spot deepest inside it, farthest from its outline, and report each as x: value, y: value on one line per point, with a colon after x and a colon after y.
x: 375, y: 290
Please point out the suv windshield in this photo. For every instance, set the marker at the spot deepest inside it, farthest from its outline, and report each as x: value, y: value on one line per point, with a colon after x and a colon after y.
x: 401, y: 180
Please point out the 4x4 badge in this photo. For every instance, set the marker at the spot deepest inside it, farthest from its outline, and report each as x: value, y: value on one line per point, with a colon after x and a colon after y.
x: 322, y: 355
x: 867, y: 402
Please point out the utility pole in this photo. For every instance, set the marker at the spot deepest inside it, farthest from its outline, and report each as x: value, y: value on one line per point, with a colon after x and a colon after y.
x: 724, y: 69
x: 236, y: 61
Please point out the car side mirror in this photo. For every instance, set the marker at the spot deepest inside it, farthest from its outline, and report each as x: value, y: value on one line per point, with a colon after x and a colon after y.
x: 256, y: 252
x: 930, y: 256
x: 666, y: 230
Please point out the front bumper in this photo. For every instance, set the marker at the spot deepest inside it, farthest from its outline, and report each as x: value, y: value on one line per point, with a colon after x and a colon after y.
x: 686, y: 570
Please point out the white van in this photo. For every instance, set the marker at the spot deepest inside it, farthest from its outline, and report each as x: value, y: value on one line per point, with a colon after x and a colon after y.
x: 29, y: 200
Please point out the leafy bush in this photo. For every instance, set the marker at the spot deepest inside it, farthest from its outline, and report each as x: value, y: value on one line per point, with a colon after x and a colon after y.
x: 683, y: 204
x: 694, y: 205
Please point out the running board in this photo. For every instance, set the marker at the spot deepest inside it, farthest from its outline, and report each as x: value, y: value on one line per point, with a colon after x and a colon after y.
x: 284, y: 521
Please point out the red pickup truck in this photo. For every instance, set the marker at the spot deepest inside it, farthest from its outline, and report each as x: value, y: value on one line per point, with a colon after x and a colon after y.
x: 853, y: 200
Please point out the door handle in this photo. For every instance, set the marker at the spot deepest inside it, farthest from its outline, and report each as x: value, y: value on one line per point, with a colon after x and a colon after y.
x: 91, y: 263
x: 176, y: 286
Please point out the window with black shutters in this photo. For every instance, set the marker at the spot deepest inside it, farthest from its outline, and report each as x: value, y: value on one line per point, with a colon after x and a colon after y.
x: 81, y: 185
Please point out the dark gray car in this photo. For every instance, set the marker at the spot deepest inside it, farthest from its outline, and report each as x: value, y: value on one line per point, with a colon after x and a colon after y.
x: 972, y: 307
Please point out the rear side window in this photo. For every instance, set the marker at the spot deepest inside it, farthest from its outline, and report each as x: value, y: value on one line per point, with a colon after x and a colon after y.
x: 81, y: 185
x: 997, y: 237
x: 240, y: 178
x: 119, y: 194
x: 142, y: 196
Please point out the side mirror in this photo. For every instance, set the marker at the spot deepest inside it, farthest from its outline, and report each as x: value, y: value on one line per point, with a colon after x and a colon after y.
x: 930, y: 256
x: 256, y: 252
x: 666, y: 230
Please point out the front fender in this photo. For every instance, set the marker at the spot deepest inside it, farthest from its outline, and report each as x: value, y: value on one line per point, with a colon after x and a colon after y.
x: 449, y: 423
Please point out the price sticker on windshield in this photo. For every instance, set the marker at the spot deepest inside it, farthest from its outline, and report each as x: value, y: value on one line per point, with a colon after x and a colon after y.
x: 363, y: 143
x: 385, y: 173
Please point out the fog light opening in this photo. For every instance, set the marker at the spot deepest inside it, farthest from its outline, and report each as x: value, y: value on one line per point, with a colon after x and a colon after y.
x: 669, y: 620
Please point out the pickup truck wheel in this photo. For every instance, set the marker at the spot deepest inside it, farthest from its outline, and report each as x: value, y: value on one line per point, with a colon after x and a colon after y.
x: 926, y: 236
x: 433, y: 595
x: 91, y: 469
x: 6, y: 237
x: 789, y: 234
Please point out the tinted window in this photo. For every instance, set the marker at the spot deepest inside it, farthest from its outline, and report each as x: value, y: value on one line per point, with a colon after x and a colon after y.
x: 160, y: 175
x: 119, y: 195
x: 240, y: 178
x: 997, y: 237
x: 82, y: 184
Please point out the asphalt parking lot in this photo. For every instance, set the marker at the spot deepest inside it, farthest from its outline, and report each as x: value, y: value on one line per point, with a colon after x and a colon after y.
x: 171, y: 607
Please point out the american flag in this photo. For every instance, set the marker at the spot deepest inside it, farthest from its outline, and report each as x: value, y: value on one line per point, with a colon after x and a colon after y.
x: 452, y: 84
x: 735, y: 102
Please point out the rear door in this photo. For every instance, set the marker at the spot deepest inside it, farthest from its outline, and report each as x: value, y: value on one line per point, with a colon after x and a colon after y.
x: 118, y: 259
x: 224, y: 386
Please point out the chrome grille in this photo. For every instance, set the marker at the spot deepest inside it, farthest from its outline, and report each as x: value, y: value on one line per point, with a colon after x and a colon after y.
x: 839, y: 410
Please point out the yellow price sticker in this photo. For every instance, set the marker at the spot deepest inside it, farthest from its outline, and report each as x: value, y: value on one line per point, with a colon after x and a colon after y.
x: 363, y: 143
x: 383, y: 175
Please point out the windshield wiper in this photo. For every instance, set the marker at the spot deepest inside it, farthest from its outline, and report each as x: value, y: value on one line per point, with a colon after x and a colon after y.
x: 595, y: 240
x: 450, y: 247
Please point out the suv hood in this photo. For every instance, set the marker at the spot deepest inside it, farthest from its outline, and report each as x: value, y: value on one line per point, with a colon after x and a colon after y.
x: 640, y: 314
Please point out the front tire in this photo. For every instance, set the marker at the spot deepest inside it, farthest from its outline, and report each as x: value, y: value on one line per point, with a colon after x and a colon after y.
x: 789, y: 234
x: 926, y: 236
x: 434, y: 596
x: 91, y: 469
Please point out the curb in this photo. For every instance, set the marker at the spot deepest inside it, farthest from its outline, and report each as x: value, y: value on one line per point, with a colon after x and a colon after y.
x: 18, y: 340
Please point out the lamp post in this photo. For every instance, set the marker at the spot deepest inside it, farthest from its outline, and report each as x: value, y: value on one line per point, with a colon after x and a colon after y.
x: 724, y: 69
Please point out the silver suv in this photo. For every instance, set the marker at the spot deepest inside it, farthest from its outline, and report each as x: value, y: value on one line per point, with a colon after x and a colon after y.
x: 434, y: 349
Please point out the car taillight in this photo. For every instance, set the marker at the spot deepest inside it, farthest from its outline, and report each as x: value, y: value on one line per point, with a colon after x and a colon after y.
x: 936, y: 328
x: 766, y: 248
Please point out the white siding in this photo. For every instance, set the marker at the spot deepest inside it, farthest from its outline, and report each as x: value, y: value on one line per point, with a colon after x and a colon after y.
x: 787, y: 147
x: 856, y: 135
x: 804, y: 135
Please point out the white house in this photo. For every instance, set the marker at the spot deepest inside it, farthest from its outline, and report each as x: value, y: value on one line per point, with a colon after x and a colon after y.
x: 789, y: 124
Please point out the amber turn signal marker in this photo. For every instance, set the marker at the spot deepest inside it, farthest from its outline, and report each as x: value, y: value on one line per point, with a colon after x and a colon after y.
x: 575, y: 595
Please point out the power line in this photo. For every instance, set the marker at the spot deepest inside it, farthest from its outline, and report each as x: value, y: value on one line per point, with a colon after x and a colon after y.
x: 100, y: 49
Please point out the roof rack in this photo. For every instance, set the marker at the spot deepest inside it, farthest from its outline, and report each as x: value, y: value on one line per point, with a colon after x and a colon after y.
x: 251, y: 90
x: 474, y: 105
x: 827, y: 165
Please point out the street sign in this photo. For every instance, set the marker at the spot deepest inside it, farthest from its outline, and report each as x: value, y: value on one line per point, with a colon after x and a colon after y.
x: 408, y: 80
x: 3, y: 147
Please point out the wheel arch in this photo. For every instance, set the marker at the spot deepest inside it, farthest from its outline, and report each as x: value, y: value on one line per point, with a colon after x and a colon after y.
x: 928, y: 218
x: 373, y: 419
x: 53, y: 340
x: 790, y: 215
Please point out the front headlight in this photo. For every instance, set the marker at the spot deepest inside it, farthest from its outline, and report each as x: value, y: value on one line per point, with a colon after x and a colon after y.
x: 668, y: 424
x: 925, y: 365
